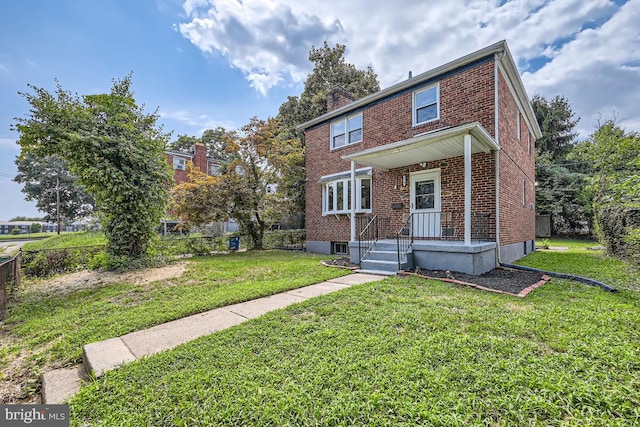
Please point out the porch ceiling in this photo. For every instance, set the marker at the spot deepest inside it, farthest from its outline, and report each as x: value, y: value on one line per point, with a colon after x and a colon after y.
x: 435, y: 145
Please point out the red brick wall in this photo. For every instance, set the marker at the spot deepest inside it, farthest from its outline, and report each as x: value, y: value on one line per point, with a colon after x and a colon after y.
x: 466, y: 96
x: 199, y: 160
x: 517, y: 165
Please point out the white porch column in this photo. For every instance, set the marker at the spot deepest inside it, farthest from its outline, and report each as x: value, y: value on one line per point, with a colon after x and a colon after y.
x: 353, y: 201
x: 467, y: 189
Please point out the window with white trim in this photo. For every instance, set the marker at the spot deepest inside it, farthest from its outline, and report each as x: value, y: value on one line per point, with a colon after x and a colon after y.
x: 336, y: 196
x: 518, y: 124
x: 529, y: 143
x: 426, y: 105
x: 346, y: 131
x: 179, y: 163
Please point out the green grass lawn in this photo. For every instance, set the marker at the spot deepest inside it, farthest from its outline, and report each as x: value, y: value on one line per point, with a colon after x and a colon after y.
x: 24, y: 236
x: 67, y: 240
x: 43, y: 330
x: 402, y: 352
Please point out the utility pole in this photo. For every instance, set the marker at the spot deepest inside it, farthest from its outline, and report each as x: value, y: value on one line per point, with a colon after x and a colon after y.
x: 58, y: 201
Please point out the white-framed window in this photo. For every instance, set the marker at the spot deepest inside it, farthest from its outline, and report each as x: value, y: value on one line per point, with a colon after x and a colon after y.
x: 336, y: 196
x: 529, y: 143
x: 346, y: 131
x: 524, y: 192
x: 426, y: 105
x: 180, y: 163
x: 518, y: 124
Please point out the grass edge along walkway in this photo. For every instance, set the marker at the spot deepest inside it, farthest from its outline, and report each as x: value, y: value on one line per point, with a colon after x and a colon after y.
x: 103, y: 356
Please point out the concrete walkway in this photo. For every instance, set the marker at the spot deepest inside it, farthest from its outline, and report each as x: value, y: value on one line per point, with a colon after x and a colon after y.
x: 100, y: 357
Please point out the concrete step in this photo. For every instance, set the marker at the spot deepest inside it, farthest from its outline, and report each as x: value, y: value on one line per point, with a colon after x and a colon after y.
x: 61, y: 384
x: 379, y: 265
x: 376, y: 272
x: 376, y: 254
x: 385, y: 246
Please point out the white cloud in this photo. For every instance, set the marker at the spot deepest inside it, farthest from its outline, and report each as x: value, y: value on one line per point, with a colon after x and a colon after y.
x: 197, y: 122
x: 586, y: 50
x: 264, y: 39
x: 9, y: 143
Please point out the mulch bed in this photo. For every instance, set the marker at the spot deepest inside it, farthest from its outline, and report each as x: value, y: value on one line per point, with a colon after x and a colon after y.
x: 501, y: 280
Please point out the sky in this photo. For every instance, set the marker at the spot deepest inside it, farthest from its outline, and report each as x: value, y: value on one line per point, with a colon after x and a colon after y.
x: 208, y: 63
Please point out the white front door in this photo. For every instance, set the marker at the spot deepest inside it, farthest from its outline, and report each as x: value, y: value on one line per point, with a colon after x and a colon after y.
x: 425, y: 203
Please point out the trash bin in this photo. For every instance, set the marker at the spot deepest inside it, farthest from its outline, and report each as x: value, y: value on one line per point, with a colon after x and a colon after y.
x: 234, y: 243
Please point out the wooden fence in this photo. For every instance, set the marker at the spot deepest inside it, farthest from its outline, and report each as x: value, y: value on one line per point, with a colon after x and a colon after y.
x: 9, y: 280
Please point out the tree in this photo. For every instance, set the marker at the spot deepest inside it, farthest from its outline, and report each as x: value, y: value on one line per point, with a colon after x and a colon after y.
x: 615, y: 155
x: 330, y: 70
x: 36, y: 227
x: 44, y: 178
x: 240, y: 192
x: 116, y: 151
x: 214, y: 139
x: 561, y: 179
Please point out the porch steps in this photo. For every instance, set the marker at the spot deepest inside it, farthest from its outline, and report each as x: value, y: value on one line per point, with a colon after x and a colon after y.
x: 381, y: 259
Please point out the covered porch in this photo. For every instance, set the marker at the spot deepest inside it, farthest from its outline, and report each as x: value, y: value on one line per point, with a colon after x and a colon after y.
x: 431, y: 235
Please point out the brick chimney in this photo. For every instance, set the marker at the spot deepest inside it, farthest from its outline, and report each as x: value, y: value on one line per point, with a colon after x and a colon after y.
x: 338, y: 97
x: 200, y: 157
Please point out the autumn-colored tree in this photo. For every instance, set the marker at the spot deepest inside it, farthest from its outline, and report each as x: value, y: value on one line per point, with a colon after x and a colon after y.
x: 241, y: 192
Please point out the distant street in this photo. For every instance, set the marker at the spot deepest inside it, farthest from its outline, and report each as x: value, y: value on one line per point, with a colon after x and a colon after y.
x: 8, y: 246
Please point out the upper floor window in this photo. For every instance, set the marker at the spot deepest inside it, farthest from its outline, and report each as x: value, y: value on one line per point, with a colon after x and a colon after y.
x: 346, y: 131
x: 518, y: 124
x: 179, y: 163
x: 426, y: 105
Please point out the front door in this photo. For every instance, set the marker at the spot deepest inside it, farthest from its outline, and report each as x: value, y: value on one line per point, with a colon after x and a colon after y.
x: 425, y: 203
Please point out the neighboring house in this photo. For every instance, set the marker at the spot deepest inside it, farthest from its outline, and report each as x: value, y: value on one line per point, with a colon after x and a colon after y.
x: 208, y: 165
x: 198, y: 157
x: 6, y: 227
x: 443, y: 167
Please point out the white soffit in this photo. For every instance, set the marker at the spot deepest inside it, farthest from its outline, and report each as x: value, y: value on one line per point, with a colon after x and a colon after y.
x: 436, y: 145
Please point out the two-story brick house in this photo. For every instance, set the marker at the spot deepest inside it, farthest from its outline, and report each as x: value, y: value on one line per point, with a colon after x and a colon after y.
x: 179, y: 159
x: 443, y: 167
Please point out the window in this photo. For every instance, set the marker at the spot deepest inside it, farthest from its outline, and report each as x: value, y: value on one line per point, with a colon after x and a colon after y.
x: 518, y: 124
x: 347, y: 131
x: 214, y: 169
x: 524, y: 192
x: 340, y: 248
x: 336, y: 196
x: 528, y: 143
x: 179, y: 163
x: 426, y: 105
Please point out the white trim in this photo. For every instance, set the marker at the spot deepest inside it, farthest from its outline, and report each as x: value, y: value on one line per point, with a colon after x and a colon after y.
x: 414, y: 108
x: 337, y: 175
x: 430, y: 228
x: 518, y: 125
x: 347, y: 131
x: 467, y: 190
x: 352, y: 220
x: 332, y: 187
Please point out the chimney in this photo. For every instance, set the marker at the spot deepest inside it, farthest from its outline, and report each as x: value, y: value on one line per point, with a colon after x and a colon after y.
x: 338, y: 97
x: 200, y: 157
x: 410, y: 74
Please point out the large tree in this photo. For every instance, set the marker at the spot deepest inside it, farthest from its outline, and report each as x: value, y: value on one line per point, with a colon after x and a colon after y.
x: 114, y: 148
x: 561, y: 178
x: 241, y: 192
x: 330, y: 70
x: 48, y: 182
x: 615, y: 155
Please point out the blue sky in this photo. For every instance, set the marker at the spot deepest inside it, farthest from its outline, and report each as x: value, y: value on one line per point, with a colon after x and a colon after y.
x: 205, y: 63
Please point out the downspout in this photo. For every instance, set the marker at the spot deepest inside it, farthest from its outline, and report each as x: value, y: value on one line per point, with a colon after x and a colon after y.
x: 497, y: 155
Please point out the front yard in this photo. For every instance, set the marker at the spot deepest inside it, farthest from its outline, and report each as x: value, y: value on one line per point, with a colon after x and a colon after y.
x: 53, y: 318
x: 403, y: 352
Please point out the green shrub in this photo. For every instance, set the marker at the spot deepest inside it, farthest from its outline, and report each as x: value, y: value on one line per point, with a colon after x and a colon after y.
x: 284, y: 238
x: 16, y: 231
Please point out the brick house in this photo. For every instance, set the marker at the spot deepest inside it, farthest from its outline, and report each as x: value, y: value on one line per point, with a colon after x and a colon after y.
x: 178, y: 160
x: 443, y: 167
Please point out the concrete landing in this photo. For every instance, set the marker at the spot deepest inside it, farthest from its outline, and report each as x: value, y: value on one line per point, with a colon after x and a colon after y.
x: 103, y: 356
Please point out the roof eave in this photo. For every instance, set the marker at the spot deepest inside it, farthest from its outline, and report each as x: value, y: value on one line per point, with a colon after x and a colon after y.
x: 462, y: 61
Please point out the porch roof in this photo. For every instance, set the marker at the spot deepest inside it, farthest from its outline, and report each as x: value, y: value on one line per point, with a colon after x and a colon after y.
x: 430, y: 146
